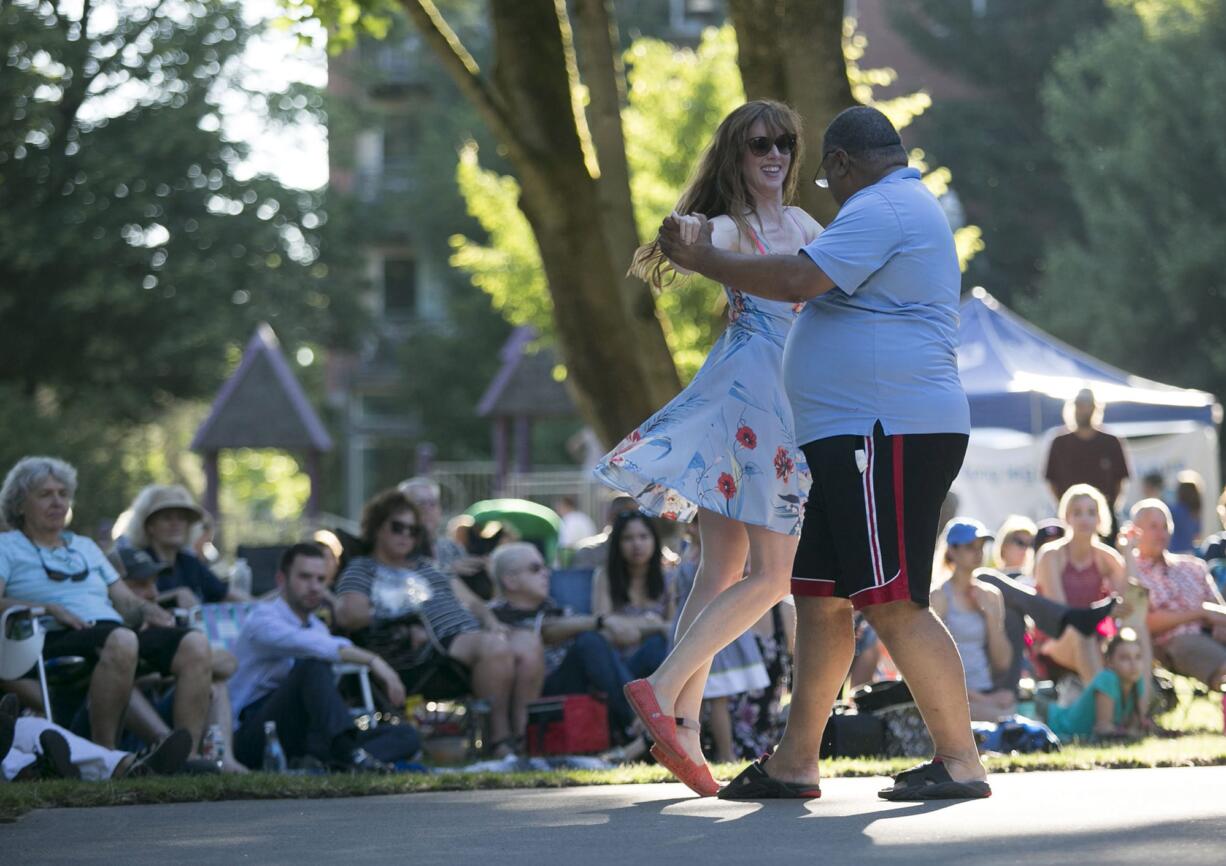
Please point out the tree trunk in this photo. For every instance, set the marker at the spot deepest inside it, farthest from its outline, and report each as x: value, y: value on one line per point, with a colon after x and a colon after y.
x: 620, y: 369
x: 792, y: 51
x: 575, y: 186
x: 602, y: 71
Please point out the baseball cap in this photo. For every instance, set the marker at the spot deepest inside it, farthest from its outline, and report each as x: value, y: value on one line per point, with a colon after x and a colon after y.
x: 964, y: 530
x: 140, y: 565
x: 1047, y: 531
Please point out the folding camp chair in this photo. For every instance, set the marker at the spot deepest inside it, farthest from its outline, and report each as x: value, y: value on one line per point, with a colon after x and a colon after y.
x: 21, y: 647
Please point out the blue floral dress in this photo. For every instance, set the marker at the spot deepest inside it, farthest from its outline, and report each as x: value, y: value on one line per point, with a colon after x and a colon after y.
x: 726, y: 443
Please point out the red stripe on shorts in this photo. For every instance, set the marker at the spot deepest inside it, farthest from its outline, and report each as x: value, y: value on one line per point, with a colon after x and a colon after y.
x: 897, y: 588
x: 899, y: 501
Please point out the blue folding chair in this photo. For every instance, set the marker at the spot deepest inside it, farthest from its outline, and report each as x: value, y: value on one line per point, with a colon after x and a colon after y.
x: 572, y: 587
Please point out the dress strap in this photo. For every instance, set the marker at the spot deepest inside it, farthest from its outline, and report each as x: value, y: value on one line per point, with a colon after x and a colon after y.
x: 763, y: 249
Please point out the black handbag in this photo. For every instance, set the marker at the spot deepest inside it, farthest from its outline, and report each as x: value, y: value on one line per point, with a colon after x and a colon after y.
x: 871, y: 697
x: 852, y: 734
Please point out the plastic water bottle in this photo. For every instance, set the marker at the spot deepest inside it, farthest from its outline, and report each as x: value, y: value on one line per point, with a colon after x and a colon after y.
x: 240, y: 576
x: 274, y: 755
x: 213, y: 748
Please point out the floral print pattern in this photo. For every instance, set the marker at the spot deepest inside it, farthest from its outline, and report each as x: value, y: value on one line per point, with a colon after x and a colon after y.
x: 726, y: 442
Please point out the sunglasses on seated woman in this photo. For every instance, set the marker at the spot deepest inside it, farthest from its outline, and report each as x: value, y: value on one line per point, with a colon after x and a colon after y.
x: 760, y: 145
x: 401, y: 528
x: 61, y: 576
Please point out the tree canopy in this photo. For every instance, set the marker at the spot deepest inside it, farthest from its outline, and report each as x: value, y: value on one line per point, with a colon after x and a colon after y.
x: 676, y: 98
x: 992, y: 137
x: 1131, y: 113
x: 134, y: 259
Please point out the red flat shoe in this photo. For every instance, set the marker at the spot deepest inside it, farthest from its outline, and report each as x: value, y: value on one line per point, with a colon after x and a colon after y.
x: 697, y: 777
x: 661, y: 728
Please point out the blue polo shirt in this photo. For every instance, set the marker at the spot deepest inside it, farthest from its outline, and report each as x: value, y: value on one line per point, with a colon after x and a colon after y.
x: 23, y: 568
x: 881, y: 345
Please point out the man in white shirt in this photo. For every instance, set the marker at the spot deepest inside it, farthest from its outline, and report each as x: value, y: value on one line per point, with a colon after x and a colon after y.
x: 576, y: 525
x: 285, y: 657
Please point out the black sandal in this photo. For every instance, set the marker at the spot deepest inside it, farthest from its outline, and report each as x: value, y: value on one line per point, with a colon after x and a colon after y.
x: 755, y: 784
x: 163, y: 758
x: 932, y: 781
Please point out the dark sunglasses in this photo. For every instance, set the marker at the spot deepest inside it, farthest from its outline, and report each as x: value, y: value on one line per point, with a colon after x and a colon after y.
x: 401, y: 528
x: 1021, y: 541
x: 760, y: 145
x: 61, y: 576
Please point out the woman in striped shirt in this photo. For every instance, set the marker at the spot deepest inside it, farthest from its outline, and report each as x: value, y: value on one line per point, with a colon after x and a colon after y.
x: 383, y: 596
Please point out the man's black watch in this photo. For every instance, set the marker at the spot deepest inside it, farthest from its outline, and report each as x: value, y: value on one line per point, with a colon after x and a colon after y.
x: 599, y: 622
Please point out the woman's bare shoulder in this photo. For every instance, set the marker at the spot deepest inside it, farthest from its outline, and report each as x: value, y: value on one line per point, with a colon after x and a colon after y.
x: 811, y: 227
x: 725, y: 233
x: 1110, y: 554
x: 1049, y: 552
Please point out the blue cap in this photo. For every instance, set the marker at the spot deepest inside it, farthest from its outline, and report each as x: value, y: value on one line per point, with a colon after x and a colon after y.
x: 964, y: 530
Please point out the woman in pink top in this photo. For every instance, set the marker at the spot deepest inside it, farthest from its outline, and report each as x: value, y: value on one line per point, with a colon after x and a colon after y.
x: 1078, y: 570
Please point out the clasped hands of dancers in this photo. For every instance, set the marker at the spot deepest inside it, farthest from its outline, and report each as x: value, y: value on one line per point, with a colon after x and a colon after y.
x: 816, y: 444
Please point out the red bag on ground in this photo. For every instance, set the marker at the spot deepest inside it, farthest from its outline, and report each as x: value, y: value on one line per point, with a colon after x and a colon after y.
x: 567, y: 725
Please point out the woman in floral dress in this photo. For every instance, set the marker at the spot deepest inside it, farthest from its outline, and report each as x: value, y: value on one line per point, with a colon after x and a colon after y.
x: 723, y: 451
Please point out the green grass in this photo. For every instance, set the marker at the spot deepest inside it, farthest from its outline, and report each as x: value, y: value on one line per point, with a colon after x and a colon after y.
x: 1200, y: 744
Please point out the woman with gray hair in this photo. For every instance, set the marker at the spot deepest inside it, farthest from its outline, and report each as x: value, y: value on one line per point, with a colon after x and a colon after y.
x: 44, y: 565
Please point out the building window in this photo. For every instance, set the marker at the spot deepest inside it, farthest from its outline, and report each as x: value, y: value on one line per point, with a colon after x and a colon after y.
x: 401, y: 137
x: 400, y: 287
x: 691, y: 16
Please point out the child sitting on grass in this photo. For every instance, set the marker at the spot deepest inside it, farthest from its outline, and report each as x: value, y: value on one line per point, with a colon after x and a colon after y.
x: 1111, y: 704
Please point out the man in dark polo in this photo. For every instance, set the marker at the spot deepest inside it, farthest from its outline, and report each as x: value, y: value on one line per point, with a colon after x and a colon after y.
x: 870, y: 369
x: 1086, y: 454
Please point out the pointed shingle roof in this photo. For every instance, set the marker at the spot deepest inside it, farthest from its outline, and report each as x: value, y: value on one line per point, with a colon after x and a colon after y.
x: 262, y: 405
x: 525, y: 384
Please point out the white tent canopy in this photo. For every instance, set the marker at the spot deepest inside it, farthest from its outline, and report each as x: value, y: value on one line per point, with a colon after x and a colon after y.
x: 1018, y: 378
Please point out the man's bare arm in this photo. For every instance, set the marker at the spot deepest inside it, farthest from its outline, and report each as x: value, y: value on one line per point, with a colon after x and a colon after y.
x: 778, y: 278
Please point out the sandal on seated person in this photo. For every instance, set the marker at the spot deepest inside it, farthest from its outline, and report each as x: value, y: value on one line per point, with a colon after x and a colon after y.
x: 932, y: 781
x: 164, y: 758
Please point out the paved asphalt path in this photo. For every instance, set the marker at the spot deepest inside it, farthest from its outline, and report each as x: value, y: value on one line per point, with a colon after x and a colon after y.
x: 1164, y: 817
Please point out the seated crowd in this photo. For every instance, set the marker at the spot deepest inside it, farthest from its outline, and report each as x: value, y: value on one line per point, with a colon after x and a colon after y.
x: 1092, y: 617
x: 465, y: 612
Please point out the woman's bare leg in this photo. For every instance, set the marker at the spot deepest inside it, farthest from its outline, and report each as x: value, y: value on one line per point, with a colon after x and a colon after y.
x: 680, y: 680
x: 488, y: 658
x: 529, y: 655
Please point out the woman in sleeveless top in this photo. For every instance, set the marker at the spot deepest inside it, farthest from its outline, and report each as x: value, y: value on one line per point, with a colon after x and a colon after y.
x: 632, y: 588
x: 974, y: 612
x: 724, y: 451
x: 1078, y: 570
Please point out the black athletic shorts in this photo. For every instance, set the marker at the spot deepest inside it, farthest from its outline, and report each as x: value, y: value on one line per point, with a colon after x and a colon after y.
x: 156, y: 645
x: 870, y: 526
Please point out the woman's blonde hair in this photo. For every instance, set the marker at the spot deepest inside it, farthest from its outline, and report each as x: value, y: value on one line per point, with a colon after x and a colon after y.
x: 1089, y: 491
x: 717, y: 187
x: 1013, y: 524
